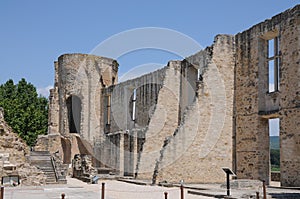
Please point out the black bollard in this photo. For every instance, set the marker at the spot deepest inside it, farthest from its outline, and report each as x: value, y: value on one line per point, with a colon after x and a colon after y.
x: 166, y: 195
x: 181, y: 192
x: 264, y: 189
x: 102, y: 190
x: 2, y: 193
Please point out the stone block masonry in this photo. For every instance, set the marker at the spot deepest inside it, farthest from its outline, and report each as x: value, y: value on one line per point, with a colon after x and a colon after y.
x: 255, y: 104
x: 190, y: 118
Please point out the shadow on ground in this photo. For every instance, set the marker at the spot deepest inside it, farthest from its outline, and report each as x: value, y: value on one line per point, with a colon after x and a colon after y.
x: 285, y: 195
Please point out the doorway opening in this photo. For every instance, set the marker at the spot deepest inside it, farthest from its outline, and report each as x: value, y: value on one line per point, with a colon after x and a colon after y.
x: 74, y: 113
x: 274, y: 134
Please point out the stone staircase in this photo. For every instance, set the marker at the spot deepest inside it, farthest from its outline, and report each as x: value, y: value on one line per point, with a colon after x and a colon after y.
x: 42, y: 160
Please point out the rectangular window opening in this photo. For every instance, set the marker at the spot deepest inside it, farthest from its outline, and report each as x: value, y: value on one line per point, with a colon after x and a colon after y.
x: 134, y: 105
x: 273, y: 64
x: 108, y: 109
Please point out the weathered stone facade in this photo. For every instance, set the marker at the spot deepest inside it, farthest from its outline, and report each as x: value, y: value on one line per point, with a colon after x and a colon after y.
x: 190, y: 118
x: 254, y: 104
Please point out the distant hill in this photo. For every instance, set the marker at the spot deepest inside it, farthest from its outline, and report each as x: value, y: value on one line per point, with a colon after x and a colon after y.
x: 274, y: 142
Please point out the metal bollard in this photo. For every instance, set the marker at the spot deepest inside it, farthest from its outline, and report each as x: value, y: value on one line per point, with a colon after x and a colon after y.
x: 181, y: 192
x: 2, y: 193
x: 102, y: 190
x: 166, y: 195
x: 257, y: 195
x: 63, y: 196
x: 264, y: 189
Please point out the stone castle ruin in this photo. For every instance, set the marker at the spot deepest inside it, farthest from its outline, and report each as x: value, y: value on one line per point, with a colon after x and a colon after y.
x: 190, y: 118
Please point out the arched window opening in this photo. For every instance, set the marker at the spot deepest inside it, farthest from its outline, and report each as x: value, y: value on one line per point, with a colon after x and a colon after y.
x: 74, y: 114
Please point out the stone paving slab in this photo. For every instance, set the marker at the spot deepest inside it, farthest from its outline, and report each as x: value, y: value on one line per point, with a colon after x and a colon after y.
x: 123, y: 190
x: 76, y: 189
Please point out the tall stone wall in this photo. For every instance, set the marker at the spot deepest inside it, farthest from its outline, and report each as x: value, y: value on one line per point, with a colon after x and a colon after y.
x: 255, y: 104
x: 121, y: 118
x: 290, y: 99
x: 117, y: 147
x: 194, y: 116
x: 202, y: 144
x: 53, y: 113
x: 84, y: 76
x: 75, y: 99
x: 164, y: 120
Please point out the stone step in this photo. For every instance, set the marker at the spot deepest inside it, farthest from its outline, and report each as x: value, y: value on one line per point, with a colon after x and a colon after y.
x: 48, y: 170
x: 42, y: 164
x: 44, y: 167
x: 40, y: 157
x: 49, y: 173
x: 39, y: 153
x: 42, y: 160
x: 51, y: 182
x: 51, y: 178
x: 104, y: 170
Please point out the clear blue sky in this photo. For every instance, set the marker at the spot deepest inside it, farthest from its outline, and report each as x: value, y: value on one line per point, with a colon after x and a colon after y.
x: 34, y: 33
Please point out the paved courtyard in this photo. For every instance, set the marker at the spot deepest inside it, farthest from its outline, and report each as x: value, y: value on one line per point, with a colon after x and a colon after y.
x: 122, y: 190
x: 77, y: 189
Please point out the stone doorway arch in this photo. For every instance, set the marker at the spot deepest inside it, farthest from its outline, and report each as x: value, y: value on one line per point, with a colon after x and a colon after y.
x: 74, y: 113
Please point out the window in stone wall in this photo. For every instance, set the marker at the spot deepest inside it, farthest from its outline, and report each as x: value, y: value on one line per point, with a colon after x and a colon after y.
x: 199, y: 75
x: 273, y: 64
x: 134, y: 104
x: 108, y: 98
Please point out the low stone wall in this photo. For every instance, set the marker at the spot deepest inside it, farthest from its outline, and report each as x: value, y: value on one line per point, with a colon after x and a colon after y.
x: 275, y: 176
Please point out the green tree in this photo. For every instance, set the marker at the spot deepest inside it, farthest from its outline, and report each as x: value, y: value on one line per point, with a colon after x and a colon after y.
x: 24, y: 110
x: 275, y: 158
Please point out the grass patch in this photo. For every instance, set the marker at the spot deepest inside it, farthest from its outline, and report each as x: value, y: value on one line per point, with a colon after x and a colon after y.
x: 275, y: 168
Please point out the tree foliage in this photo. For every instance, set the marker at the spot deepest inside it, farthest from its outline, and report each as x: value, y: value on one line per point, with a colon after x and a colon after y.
x: 275, y: 157
x: 24, y: 110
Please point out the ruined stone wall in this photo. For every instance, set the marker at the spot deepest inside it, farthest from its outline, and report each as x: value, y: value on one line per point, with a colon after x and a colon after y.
x: 164, y: 121
x: 192, y: 117
x: 84, y: 76
x: 290, y: 100
x: 255, y: 105
x: 117, y: 120
x: 202, y: 143
x: 14, y: 157
x: 53, y: 113
x: 79, y: 79
x: 147, y: 88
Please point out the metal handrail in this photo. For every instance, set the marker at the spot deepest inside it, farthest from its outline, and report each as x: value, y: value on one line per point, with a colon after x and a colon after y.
x: 54, y: 168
